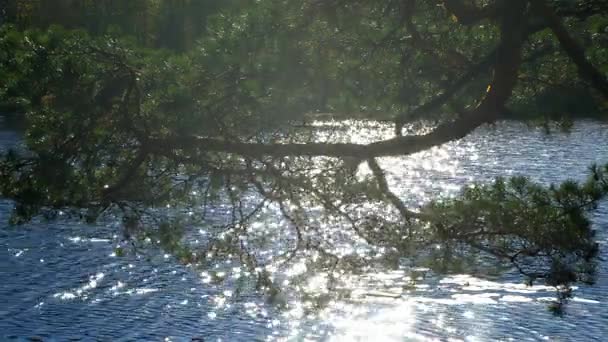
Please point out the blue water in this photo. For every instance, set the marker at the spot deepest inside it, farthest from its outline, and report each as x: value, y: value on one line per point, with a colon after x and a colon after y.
x: 61, y: 281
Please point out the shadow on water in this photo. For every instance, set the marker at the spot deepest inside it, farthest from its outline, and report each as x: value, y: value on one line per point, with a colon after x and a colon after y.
x: 12, y: 122
x: 12, y: 128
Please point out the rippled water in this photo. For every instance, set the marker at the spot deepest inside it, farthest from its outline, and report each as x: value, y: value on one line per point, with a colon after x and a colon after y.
x: 62, y: 281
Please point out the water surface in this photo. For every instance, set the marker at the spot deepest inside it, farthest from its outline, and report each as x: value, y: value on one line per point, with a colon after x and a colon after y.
x: 63, y: 280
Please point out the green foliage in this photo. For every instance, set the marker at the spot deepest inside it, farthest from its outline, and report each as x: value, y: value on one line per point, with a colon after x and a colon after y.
x: 302, y: 56
x: 544, y: 232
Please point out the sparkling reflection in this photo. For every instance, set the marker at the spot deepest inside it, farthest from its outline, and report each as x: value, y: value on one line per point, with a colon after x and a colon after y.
x: 381, y: 303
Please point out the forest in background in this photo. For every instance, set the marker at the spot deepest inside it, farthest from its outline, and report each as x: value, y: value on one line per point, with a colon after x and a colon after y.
x: 177, y: 25
x: 171, y: 24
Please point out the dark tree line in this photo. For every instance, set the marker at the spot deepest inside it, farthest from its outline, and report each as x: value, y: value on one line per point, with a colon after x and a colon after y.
x: 173, y: 24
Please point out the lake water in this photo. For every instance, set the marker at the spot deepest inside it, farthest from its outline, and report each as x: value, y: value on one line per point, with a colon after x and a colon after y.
x: 63, y: 281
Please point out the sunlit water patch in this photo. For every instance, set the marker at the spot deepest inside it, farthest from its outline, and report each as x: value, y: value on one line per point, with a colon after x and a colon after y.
x: 66, y: 280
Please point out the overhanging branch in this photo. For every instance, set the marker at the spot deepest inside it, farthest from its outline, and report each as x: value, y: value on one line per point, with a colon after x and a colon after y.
x: 507, y: 62
x: 574, y: 50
